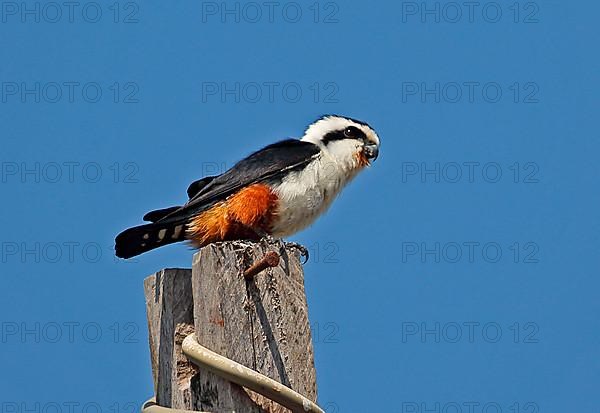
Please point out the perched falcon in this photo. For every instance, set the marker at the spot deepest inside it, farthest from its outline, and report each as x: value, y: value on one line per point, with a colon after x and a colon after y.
x: 277, y: 191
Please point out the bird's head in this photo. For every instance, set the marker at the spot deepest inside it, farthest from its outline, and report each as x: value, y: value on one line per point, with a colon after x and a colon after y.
x: 345, y: 139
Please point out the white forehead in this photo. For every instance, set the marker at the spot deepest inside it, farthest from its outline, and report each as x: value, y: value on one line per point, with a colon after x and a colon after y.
x: 323, y: 126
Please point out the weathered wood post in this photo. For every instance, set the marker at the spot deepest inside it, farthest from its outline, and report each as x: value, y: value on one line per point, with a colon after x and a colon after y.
x: 261, y: 323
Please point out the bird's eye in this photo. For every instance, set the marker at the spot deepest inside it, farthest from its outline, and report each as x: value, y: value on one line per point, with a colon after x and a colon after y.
x: 349, y: 132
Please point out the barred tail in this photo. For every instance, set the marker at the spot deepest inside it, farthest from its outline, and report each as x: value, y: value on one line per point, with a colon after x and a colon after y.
x: 137, y: 240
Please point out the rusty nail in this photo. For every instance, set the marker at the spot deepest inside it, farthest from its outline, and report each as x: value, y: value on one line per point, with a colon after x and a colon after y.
x: 271, y: 259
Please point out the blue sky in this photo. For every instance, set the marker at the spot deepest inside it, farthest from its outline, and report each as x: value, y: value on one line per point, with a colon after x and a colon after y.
x: 460, y: 270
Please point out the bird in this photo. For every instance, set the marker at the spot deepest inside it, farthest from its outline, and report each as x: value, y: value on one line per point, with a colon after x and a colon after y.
x: 275, y: 192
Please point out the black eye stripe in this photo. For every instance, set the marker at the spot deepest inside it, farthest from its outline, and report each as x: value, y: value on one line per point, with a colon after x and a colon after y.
x: 333, y: 136
x: 355, y: 133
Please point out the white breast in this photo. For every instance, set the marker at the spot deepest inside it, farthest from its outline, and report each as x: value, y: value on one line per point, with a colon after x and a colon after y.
x: 306, y: 194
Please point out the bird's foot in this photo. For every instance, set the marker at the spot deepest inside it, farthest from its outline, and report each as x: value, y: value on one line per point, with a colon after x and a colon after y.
x: 269, y: 239
x: 303, y: 250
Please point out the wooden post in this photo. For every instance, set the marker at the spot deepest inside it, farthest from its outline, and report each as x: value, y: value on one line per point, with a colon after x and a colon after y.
x: 169, y: 308
x: 261, y: 323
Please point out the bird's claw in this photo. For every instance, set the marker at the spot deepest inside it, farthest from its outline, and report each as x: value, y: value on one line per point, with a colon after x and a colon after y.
x: 268, y: 238
x: 303, y: 250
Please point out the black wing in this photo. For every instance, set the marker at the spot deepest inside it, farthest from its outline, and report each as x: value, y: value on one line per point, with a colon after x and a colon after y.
x: 268, y: 165
x: 198, y: 185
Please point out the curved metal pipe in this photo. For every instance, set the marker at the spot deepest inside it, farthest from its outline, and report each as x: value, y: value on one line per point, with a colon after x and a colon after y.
x: 238, y: 374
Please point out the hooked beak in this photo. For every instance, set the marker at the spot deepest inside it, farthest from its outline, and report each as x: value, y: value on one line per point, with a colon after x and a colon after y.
x: 371, y: 152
